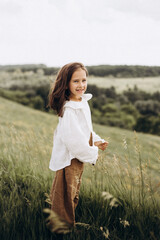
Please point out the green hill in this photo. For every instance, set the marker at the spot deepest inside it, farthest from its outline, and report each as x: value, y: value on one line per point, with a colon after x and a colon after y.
x: 128, y: 169
x: 28, y: 121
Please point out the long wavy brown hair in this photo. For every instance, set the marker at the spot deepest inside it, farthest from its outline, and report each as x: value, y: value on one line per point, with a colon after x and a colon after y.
x: 59, y: 91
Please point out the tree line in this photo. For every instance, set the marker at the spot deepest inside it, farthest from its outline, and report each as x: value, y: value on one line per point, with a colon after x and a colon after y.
x: 120, y: 71
x: 133, y: 109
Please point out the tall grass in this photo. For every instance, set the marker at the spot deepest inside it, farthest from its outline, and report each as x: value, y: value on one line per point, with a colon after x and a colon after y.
x: 117, y: 200
x: 23, y: 185
x: 119, y: 196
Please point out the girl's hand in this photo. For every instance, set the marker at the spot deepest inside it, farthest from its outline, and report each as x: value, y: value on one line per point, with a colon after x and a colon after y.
x: 101, y: 145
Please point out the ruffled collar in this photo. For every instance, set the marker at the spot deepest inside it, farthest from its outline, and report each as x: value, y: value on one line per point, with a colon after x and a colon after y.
x: 77, y: 105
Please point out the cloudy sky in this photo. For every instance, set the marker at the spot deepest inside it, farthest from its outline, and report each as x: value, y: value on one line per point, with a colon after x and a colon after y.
x: 55, y: 32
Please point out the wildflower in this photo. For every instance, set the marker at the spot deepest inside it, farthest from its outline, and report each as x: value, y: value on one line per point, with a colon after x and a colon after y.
x: 106, y: 195
x: 114, y: 202
x: 48, y: 200
x: 27, y: 201
x: 105, y: 233
x: 125, y: 223
x: 85, y: 225
x: 55, y: 223
x: 124, y: 143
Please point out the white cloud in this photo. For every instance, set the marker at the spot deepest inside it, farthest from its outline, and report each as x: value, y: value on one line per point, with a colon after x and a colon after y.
x: 94, y: 32
x: 146, y: 8
x: 9, y: 8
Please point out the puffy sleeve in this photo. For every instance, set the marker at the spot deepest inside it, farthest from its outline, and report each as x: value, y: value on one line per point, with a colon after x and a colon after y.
x: 75, y: 140
x: 97, y: 138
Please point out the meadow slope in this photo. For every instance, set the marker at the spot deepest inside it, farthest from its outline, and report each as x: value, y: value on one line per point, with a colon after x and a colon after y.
x: 147, y: 84
x: 128, y: 169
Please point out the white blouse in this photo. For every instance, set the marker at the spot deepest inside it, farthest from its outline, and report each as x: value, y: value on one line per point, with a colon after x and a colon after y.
x: 71, y: 137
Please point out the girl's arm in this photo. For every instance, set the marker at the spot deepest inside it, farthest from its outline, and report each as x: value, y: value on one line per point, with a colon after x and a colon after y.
x: 75, y: 140
x: 99, y: 142
x: 97, y: 138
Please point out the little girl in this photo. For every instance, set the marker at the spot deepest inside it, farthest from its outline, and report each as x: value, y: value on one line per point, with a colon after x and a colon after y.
x: 75, y: 142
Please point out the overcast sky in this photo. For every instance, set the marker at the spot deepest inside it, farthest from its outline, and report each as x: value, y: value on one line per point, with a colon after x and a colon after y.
x: 55, y: 32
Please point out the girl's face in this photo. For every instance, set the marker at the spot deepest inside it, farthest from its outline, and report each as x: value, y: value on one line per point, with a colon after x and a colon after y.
x: 77, y: 85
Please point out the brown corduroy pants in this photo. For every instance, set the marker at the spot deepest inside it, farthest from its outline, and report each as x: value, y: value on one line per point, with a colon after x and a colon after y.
x: 65, y: 190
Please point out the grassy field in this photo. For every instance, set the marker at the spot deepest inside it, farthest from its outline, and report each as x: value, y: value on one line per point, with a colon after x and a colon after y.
x: 147, y: 84
x: 128, y: 170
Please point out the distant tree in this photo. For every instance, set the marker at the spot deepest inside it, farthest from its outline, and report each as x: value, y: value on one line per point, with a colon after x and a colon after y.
x: 111, y: 92
x: 135, y: 94
x: 122, y: 99
x: 156, y: 96
x: 43, y: 91
x: 111, y: 108
x: 38, y: 103
x: 156, y: 126
x: 94, y: 90
x: 149, y: 107
x: 130, y: 109
x: 144, y: 124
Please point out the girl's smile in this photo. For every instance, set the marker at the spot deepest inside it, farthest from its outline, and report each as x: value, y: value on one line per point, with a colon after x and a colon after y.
x: 77, y: 85
x: 80, y: 90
